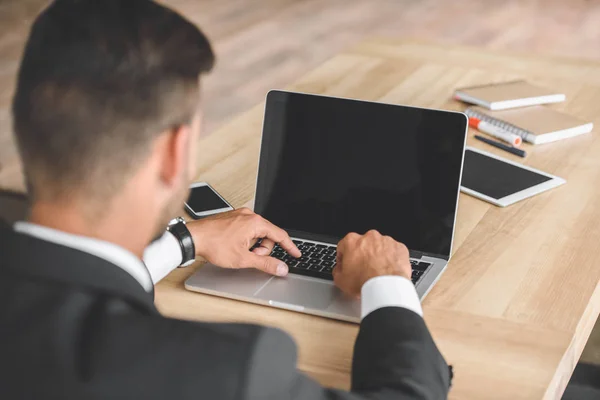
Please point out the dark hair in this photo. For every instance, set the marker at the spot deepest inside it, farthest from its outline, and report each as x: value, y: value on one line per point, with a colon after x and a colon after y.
x: 99, y: 80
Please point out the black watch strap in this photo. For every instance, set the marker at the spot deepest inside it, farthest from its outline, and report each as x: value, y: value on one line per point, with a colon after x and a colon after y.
x: 186, y: 242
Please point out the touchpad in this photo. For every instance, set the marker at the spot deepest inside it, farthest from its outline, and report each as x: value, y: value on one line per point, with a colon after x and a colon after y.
x: 298, y: 291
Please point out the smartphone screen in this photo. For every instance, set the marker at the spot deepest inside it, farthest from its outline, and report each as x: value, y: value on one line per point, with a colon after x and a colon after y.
x: 204, y: 198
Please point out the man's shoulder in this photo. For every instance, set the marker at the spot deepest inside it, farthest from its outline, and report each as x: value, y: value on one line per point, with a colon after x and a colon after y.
x: 97, y: 334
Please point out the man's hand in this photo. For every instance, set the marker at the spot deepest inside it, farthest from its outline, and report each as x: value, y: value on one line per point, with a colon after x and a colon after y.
x: 225, y: 240
x: 360, y: 258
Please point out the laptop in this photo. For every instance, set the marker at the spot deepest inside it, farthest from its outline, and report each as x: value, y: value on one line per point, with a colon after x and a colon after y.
x: 329, y: 166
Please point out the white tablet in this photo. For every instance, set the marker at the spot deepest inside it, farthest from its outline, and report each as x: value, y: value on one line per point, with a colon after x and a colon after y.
x: 501, y: 181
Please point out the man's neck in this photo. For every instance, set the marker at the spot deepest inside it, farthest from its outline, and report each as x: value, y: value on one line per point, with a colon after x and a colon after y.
x: 70, y: 218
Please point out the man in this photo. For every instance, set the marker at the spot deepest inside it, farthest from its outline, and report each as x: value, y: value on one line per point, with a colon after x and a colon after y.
x: 106, y: 116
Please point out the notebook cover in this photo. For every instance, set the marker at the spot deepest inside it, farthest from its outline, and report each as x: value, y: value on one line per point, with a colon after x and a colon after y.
x: 507, y: 91
x: 538, y: 120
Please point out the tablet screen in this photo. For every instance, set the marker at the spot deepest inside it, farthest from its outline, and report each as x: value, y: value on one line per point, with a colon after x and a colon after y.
x: 496, y: 178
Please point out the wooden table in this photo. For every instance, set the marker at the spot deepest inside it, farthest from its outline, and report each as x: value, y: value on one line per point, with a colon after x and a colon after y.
x: 520, y: 296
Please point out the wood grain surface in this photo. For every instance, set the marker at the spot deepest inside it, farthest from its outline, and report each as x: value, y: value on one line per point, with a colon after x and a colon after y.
x: 517, y: 303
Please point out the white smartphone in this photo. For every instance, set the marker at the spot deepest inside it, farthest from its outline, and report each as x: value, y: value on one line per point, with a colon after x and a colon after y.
x: 500, y: 181
x: 204, y: 201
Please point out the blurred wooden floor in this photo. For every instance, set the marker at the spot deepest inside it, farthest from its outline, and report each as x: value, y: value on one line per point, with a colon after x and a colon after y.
x: 265, y: 44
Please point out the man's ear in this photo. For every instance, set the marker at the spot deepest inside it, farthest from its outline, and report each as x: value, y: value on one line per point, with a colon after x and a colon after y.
x: 173, y: 146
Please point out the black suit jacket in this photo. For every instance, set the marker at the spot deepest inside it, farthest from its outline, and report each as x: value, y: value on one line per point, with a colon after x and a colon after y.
x: 74, y: 326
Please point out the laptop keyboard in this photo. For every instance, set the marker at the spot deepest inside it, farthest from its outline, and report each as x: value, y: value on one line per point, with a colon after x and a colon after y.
x: 318, y: 260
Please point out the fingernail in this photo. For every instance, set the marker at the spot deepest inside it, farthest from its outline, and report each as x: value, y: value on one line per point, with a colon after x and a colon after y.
x: 282, y: 269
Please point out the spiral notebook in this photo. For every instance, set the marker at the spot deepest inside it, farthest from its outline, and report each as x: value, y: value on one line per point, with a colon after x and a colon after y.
x: 537, y: 124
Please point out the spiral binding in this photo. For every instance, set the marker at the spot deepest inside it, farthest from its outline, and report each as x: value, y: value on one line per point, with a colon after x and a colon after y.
x: 496, y: 122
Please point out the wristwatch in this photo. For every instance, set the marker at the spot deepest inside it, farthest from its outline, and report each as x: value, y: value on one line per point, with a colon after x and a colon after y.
x: 178, y: 229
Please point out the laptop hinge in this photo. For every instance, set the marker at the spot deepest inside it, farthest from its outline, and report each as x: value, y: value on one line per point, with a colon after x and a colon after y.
x: 417, y: 255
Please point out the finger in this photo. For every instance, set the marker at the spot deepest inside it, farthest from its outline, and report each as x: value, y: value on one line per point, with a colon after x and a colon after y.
x: 339, y: 282
x: 338, y: 258
x: 337, y: 278
x: 269, y: 265
x: 265, y: 248
x: 349, y: 240
x: 335, y: 272
x: 278, y: 235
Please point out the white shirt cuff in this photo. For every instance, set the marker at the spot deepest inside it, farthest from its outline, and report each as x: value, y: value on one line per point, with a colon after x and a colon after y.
x: 389, y: 291
x: 162, y: 256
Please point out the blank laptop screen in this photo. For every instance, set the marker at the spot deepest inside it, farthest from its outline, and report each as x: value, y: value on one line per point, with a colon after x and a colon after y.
x: 332, y: 166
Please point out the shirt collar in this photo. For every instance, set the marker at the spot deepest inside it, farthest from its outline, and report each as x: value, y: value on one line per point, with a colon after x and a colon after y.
x: 112, y: 253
